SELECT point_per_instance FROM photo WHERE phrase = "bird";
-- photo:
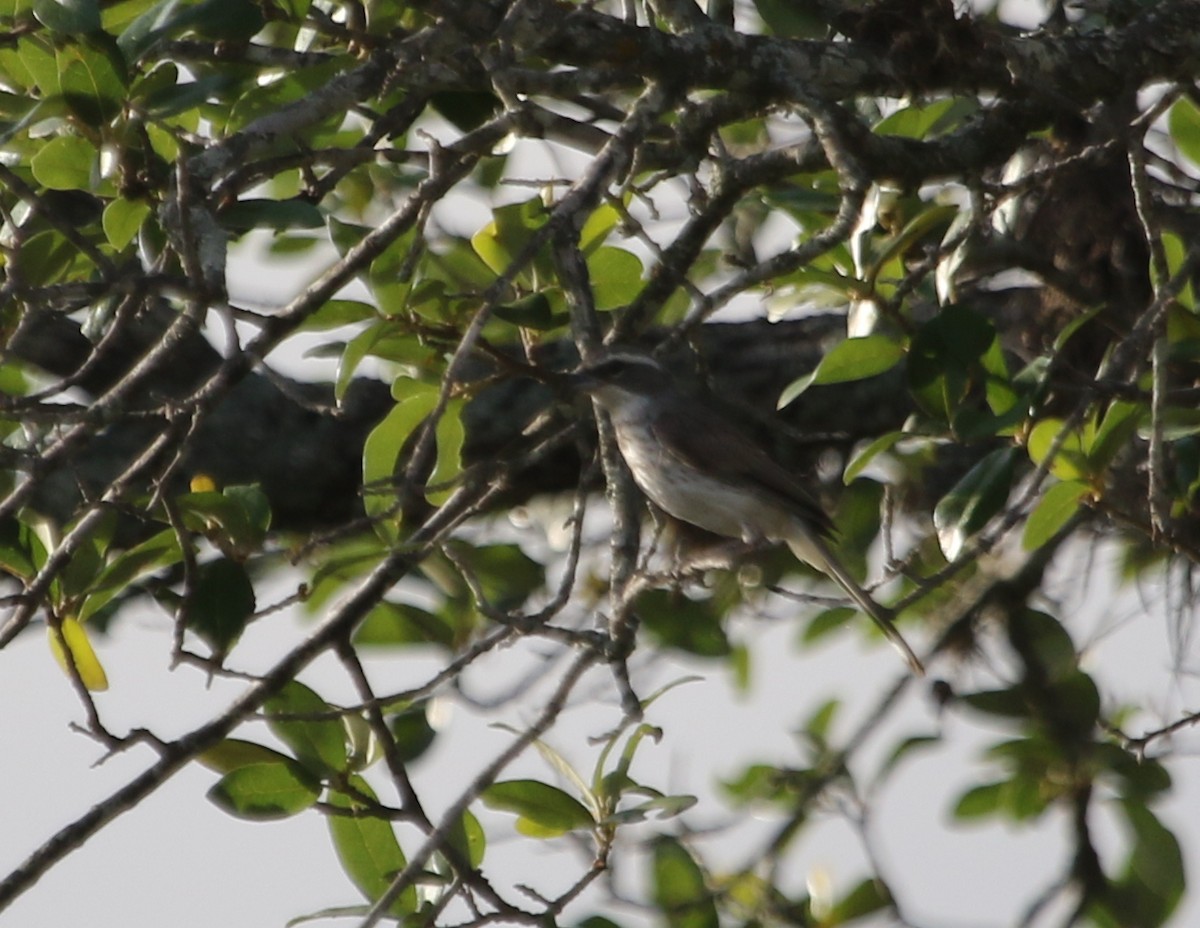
(696, 465)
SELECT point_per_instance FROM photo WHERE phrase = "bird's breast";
(693, 495)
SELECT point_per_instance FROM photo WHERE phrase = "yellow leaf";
(71, 637)
(203, 483)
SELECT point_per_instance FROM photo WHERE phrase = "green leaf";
(1176, 250)
(532, 312)
(412, 732)
(233, 753)
(22, 553)
(863, 458)
(543, 811)
(465, 109)
(399, 624)
(679, 889)
(921, 121)
(979, 495)
(92, 79)
(66, 162)
(981, 801)
(255, 509)
(1011, 703)
(277, 215)
(869, 896)
(1183, 123)
(469, 839)
(1112, 436)
(598, 226)
(1071, 459)
(676, 620)
(500, 241)
(318, 743)
(1040, 637)
(827, 622)
(367, 847)
(155, 23)
(336, 313)
(387, 440)
(68, 17)
(229, 20)
(265, 792)
(1155, 876)
(788, 19)
(945, 360)
(616, 276)
(1054, 510)
(506, 575)
(852, 359)
(122, 220)
(153, 554)
(221, 604)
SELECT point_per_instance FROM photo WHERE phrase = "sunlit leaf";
(1054, 510)
(66, 162)
(122, 219)
(70, 646)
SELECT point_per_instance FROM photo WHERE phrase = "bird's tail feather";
(814, 551)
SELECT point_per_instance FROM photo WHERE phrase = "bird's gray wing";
(707, 441)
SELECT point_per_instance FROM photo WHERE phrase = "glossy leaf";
(971, 503)
(68, 16)
(863, 458)
(543, 811)
(265, 792)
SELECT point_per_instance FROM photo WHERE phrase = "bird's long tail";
(813, 550)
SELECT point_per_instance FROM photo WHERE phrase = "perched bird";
(698, 467)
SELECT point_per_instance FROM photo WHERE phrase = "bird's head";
(621, 377)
